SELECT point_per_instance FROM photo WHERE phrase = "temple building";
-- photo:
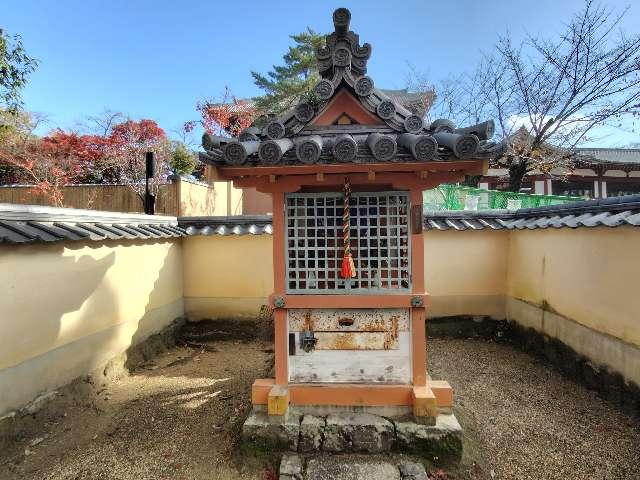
(596, 173)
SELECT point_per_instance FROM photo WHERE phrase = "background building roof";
(610, 155)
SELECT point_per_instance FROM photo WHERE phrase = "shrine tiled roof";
(417, 102)
(387, 132)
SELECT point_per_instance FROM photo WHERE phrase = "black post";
(149, 198)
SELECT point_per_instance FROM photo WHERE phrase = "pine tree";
(15, 67)
(286, 84)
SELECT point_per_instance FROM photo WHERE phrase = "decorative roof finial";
(342, 50)
(341, 19)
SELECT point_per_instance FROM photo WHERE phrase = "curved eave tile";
(19, 232)
(230, 229)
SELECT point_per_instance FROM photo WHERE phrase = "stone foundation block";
(312, 431)
(272, 432)
(357, 432)
(442, 440)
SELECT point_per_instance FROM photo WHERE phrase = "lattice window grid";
(379, 243)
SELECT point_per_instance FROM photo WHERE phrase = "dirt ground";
(178, 417)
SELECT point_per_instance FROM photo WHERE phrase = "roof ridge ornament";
(342, 49)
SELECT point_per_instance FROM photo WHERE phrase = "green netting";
(456, 197)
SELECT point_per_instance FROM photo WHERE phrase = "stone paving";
(349, 467)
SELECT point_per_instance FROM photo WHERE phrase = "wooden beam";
(347, 301)
(442, 391)
(281, 346)
(280, 317)
(399, 180)
(260, 390)
(352, 394)
(472, 166)
(418, 346)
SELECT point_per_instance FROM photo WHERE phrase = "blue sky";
(156, 59)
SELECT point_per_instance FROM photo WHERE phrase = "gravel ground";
(523, 420)
(178, 417)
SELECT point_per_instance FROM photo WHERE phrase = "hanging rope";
(348, 267)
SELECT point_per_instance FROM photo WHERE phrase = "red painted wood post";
(280, 314)
(418, 334)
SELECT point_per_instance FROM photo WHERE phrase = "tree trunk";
(517, 170)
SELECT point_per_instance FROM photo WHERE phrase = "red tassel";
(348, 267)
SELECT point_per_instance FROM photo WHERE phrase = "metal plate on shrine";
(351, 329)
(356, 341)
(348, 320)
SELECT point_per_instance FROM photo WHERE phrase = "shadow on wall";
(45, 288)
(42, 286)
(70, 310)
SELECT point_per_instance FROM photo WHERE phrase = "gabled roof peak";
(380, 128)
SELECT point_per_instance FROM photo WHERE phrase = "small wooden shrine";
(346, 174)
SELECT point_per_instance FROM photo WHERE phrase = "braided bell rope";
(348, 267)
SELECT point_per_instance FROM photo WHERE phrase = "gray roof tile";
(610, 212)
(233, 225)
(28, 224)
(31, 223)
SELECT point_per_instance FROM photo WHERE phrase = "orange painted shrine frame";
(412, 177)
(418, 336)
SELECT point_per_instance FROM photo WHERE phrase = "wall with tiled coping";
(576, 285)
(69, 307)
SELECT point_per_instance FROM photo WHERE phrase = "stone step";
(350, 467)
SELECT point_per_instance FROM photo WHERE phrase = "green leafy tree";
(183, 161)
(286, 84)
(15, 68)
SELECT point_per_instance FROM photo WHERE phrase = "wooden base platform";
(425, 400)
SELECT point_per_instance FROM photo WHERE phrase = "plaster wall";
(227, 276)
(587, 275)
(255, 202)
(67, 309)
(580, 287)
(219, 198)
(198, 199)
(466, 272)
(233, 276)
(574, 285)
